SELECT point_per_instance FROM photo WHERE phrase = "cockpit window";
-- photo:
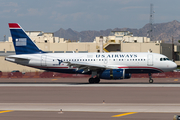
(164, 59)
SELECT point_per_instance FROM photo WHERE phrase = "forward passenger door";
(149, 60)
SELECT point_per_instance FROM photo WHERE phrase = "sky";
(79, 15)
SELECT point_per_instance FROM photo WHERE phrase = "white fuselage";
(117, 65)
(131, 62)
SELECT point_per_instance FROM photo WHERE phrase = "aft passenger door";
(150, 60)
(43, 60)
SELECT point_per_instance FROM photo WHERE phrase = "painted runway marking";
(124, 114)
(53, 79)
(6, 111)
(175, 79)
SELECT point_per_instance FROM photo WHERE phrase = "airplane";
(110, 66)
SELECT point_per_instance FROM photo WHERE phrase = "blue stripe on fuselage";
(72, 71)
(136, 70)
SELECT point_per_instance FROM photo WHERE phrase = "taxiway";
(134, 99)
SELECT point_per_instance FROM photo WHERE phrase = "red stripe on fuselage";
(14, 25)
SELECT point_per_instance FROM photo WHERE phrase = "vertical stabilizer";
(22, 43)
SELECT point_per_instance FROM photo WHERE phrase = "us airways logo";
(116, 56)
(59, 62)
(21, 41)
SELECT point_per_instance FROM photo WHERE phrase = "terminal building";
(117, 41)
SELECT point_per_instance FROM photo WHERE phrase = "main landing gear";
(94, 80)
(150, 78)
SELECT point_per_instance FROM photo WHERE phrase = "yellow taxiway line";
(6, 111)
(124, 114)
(53, 79)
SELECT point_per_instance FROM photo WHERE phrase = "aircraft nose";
(174, 65)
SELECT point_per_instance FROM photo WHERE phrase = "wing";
(89, 67)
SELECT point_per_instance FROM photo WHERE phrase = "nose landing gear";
(150, 78)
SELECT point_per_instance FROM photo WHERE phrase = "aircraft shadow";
(85, 83)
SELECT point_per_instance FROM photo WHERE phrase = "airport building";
(117, 41)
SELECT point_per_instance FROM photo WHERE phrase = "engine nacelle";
(114, 74)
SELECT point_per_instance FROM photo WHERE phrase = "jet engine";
(114, 74)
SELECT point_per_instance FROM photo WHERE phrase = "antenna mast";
(151, 21)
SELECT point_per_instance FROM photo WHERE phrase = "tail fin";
(22, 43)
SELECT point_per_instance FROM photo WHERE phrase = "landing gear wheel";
(150, 80)
(96, 80)
(91, 80)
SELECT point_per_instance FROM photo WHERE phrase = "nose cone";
(173, 65)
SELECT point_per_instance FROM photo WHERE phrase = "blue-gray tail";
(22, 43)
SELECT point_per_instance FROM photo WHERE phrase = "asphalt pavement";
(68, 98)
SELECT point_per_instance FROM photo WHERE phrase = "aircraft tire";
(150, 80)
(91, 80)
(97, 80)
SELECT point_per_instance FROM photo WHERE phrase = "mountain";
(161, 31)
(85, 36)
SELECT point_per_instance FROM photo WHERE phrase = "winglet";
(14, 25)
